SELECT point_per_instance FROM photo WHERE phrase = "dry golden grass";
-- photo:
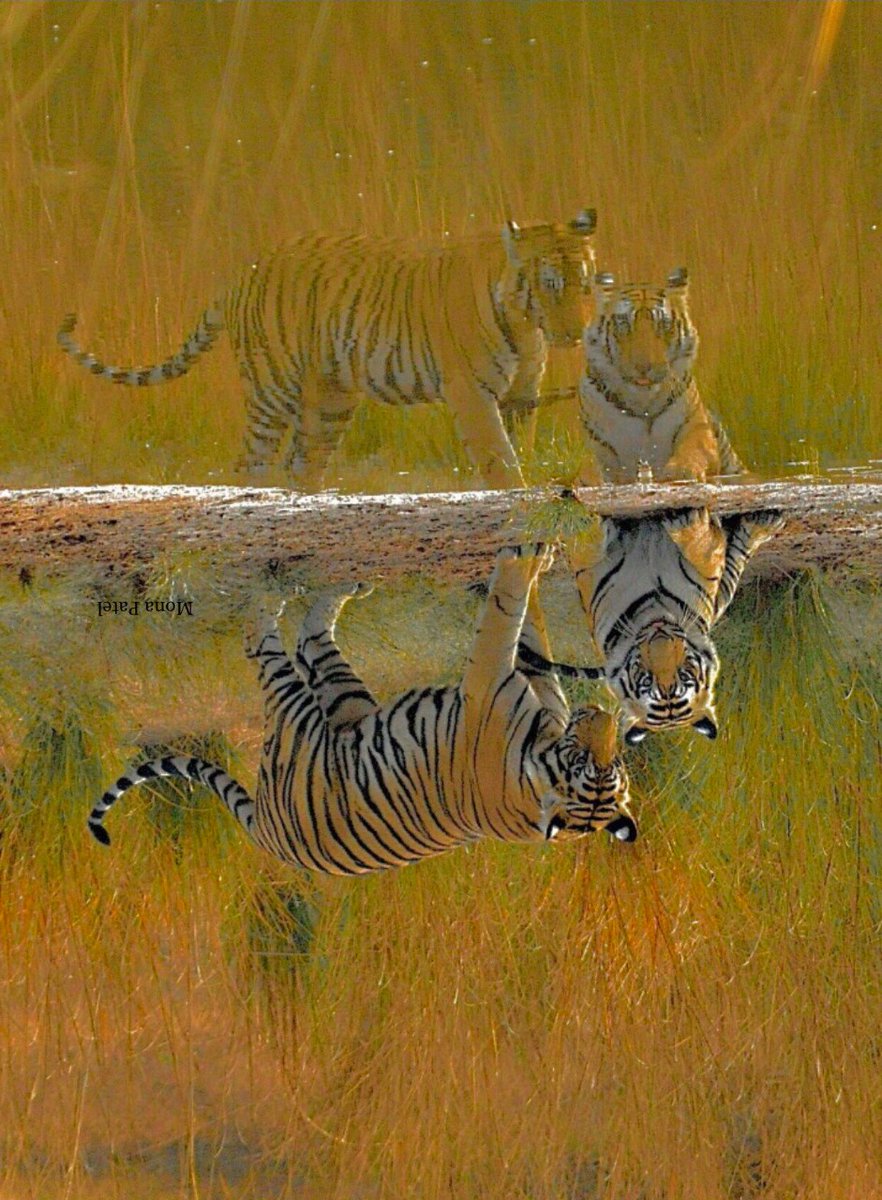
(691, 1019)
(150, 152)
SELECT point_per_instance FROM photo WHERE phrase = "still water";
(616, 244)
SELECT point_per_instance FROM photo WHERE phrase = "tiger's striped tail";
(201, 339)
(212, 776)
(538, 662)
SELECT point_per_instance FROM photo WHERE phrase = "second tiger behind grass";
(347, 786)
(641, 414)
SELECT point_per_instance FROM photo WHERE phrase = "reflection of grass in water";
(58, 757)
(270, 932)
(701, 1008)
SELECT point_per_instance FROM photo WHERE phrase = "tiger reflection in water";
(651, 596)
(348, 786)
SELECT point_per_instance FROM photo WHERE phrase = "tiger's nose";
(647, 372)
(643, 372)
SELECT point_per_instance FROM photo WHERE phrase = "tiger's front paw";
(541, 551)
(763, 523)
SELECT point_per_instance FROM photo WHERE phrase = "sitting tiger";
(651, 598)
(327, 318)
(347, 786)
(640, 410)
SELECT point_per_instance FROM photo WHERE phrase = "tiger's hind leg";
(341, 694)
(268, 418)
(280, 679)
(261, 632)
(318, 423)
(269, 372)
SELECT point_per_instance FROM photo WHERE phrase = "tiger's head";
(589, 782)
(666, 681)
(641, 338)
(548, 275)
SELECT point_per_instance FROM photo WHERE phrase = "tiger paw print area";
(440, 603)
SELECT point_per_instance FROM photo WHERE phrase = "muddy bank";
(453, 536)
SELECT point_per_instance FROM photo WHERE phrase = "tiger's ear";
(679, 279)
(623, 828)
(511, 235)
(604, 289)
(635, 735)
(555, 825)
(704, 719)
(585, 221)
(706, 726)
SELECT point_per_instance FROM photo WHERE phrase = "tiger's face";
(667, 681)
(589, 782)
(549, 269)
(641, 337)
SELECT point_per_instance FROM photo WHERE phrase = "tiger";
(651, 598)
(347, 786)
(640, 411)
(327, 318)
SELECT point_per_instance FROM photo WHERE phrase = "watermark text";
(132, 608)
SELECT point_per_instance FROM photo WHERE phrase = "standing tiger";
(347, 786)
(327, 318)
(640, 410)
(651, 597)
